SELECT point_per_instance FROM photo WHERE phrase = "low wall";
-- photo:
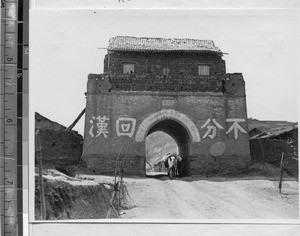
(272, 150)
(61, 147)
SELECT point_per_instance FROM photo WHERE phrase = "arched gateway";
(181, 135)
(181, 128)
(167, 115)
(177, 86)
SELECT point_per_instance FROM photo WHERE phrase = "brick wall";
(99, 152)
(212, 107)
(228, 83)
(61, 147)
(179, 64)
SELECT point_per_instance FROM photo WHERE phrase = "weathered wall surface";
(220, 121)
(231, 84)
(270, 151)
(60, 147)
(179, 64)
(206, 114)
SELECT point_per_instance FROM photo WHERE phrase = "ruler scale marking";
(14, 63)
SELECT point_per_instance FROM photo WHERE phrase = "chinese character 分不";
(211, 129)
(235, 127)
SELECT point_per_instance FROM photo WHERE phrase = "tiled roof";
(276, 133)
(127, 43)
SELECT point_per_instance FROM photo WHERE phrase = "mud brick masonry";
(58, 146)
(178, 86)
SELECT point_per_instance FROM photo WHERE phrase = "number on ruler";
(26, 51)
(9, 121)
(2, 3)
(10, 59)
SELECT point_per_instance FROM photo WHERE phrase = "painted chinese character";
(236, 127)
(92, 127)
(101, 126)
(125, 126)
(211, 129)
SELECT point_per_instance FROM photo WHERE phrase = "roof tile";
(128, 43)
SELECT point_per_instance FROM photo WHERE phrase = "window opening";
(128, 68)
(203, 70)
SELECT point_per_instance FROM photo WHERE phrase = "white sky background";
(129, 4)
(263, 45)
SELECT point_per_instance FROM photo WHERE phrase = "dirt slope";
(70, 198)
(211, 198)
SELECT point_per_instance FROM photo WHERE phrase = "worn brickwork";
(149, 71)
(179, 64)
(58, 146)
(99, 152)
(205, 114)
(228, 83)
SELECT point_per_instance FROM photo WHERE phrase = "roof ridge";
(144, 37)
(132, 43)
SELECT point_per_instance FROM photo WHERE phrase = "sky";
(261, 44)
(166, 4)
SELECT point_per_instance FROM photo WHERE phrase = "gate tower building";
(178, 86)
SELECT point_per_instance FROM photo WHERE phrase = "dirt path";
(211, 198)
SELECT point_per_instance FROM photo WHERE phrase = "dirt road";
(211, 198)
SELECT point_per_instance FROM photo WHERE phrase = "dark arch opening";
(180, 136)
(157, 144)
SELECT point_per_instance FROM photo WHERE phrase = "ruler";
(14, 76)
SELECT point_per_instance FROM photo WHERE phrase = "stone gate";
(178, 86)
